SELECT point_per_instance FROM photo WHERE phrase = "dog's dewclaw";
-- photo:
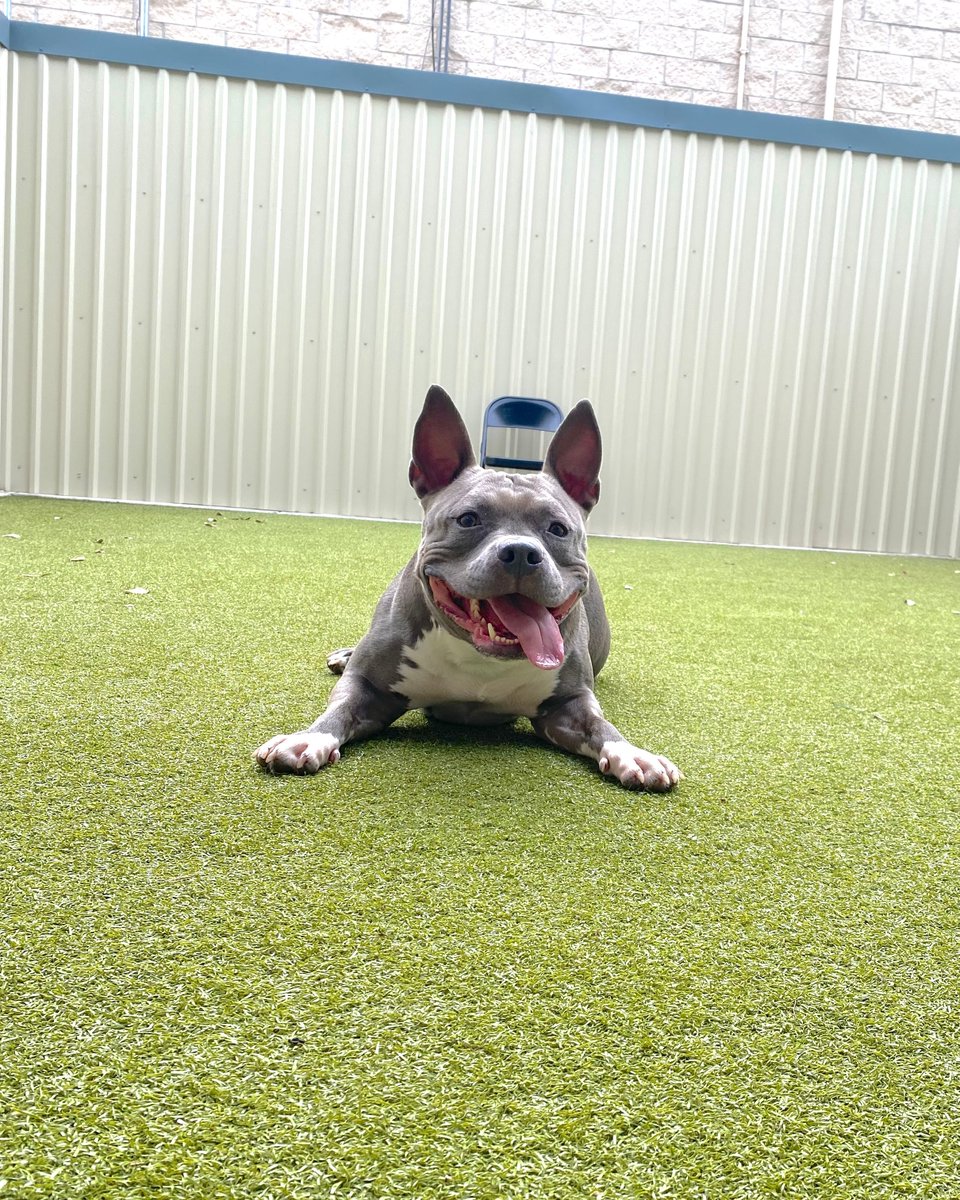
(337, 660)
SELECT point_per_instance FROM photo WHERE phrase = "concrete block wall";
(899, 62)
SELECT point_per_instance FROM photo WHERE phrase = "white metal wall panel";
(236, 293)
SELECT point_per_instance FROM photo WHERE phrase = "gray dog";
(496, 616)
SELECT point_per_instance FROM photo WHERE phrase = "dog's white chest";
(445, 669)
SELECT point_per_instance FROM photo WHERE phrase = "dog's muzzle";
(511, 625)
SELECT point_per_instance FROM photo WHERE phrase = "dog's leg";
(357, 710)
(576, 723)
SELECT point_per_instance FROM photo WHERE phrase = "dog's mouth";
(511, 626)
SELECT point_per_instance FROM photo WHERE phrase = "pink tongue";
(535, 628)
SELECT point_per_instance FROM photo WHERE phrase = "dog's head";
(503, 559)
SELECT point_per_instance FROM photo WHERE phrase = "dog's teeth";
(475, 609)
(491, 631)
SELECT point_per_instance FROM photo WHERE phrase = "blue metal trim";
(4, 30)
(331, 74)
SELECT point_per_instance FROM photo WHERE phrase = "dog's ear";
(573, 458)
(441, 445)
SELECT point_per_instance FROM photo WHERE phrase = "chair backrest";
(517, 412)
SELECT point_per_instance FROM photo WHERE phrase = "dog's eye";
(558, 529)
(467, 520)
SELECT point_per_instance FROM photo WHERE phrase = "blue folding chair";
(517, 412)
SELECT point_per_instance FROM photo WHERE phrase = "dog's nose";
(520, 557)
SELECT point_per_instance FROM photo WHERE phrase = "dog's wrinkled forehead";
(522, 497)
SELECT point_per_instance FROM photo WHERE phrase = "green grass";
(460, 964)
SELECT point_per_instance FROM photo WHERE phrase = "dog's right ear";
(441, 445)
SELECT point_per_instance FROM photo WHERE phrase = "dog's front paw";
(301, 753)
(638, 768)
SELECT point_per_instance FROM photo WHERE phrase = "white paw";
(302, 753)
(638, 768)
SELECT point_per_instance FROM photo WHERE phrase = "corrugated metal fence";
(236, 293)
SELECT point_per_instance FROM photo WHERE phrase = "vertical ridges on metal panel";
(354, 403)
(69, 300)
(304, 220)
(770, 386)
(801, 378)
(691, 438)
(755, 343)
(464, 358)
(938, 492)
(215, 262)
(275, 323)
(244, 332)
(881, 301)
(237, 292)
(132, 142)
(101, 281)
(8, 227)
(907, 282)
(668, 502)
(161, 256)
(577, 249)
(383, 378)
(43, 168)
(855, 317)
(327, 490)
(615, 483)
(188, 257)
(497, 218)
(818, 402)
(716, 414)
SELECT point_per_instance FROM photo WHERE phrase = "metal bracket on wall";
(440, 34)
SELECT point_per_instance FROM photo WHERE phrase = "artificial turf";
(461, 964)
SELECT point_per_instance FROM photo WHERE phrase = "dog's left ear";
(573, 458)
(441, 445)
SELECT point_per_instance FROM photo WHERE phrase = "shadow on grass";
(415, 731)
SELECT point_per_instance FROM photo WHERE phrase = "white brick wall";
(899, 60)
